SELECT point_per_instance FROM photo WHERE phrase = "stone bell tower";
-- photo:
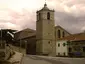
(45, 44)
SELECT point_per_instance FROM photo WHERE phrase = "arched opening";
(59, 34)
(63, 34)
(48, 16)
(39, 16)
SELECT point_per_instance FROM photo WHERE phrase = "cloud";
(9, 25)
(70, 22)
(20, 14)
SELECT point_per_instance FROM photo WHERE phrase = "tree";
(7, 35)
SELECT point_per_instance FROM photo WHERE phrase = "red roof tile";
(79, 36)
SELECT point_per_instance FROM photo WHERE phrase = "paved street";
(33, 59)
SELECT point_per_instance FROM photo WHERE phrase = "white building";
(61, 48)
(73, 45)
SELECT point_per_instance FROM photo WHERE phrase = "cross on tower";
(45, 1)
(45, 4)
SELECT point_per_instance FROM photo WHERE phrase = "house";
(26, 40)
(73, 45)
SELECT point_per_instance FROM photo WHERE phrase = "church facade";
(45, 36)
(46, 32)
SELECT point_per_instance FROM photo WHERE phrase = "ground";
(34, 59)
(20, 58)
(16, 58)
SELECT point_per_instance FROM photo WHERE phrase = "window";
(48, 16)
(68, 42)
(70, 50)
(63, 34)
(58, 53)
(49, 42)
(64, 54)
(59, 35)
(58, 44)
(83, 49)
(39, 16)
(64, 44)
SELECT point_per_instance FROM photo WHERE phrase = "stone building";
(43, 40)
(26, 40)
(45, 37)
(60, 32)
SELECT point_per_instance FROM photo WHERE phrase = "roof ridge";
(62, 28)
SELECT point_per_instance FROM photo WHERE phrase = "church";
(43, 40)
(47, 39)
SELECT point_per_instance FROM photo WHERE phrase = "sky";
(21, 14)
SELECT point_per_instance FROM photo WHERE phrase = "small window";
(70, 49)
(63, 34)
(64, 54)
(49, 42)
(83, 49)
(68, 42)
(64, 44)
(48, 16)
(39, 16)
(58, 44)
(59, 34)
(59, 54)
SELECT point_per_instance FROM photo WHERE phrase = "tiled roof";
(62, 28)
(25, 33)
(45, 8)
(79, 36)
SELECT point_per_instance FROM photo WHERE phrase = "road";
(34, 59)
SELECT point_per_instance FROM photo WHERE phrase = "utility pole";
(20, 45)
(26, 46)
